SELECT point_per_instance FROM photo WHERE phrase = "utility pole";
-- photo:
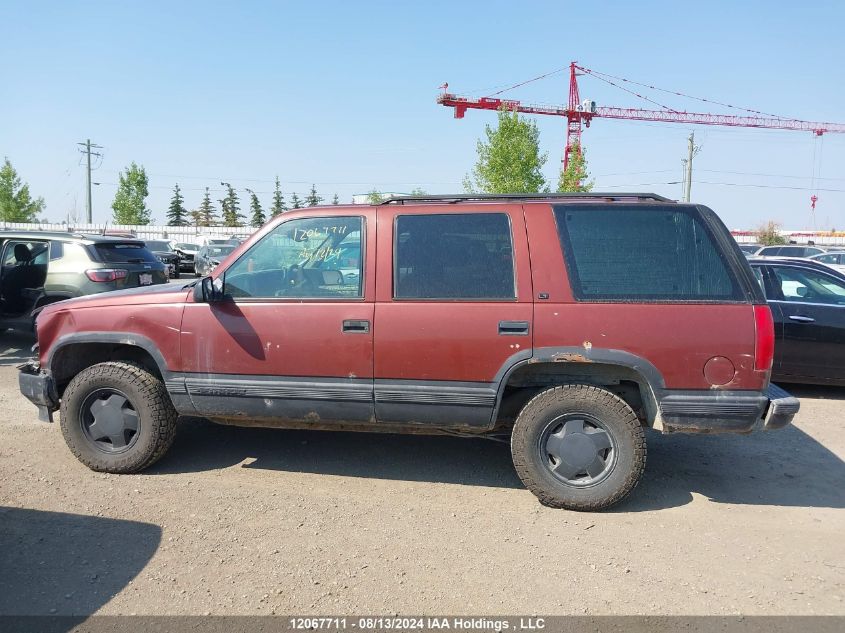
(693, 152)
(88, 145)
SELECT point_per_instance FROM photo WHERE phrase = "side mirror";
(208, 291)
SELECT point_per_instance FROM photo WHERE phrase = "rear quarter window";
(643, 253)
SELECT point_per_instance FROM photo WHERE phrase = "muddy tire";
(578, 447)
(117, 417)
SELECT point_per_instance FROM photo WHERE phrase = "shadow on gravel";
(201, 445)
(68, 564)
(814, 392)
(779, 468)
(15, 347)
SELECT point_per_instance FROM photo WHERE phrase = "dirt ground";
(252, 521)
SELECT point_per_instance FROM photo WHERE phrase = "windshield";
(219, 251)
(187, 247)
(124, 253)
(158, 245)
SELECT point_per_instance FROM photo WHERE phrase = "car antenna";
(105, 226)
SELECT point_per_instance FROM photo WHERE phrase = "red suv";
(569, 322)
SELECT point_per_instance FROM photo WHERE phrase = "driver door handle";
(353, 325)
(801, 319)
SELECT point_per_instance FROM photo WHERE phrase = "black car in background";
(808, 307)
(167, 255)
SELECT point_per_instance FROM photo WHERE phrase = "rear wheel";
(578, 447)
(117, 417)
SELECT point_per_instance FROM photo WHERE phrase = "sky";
(342, 95)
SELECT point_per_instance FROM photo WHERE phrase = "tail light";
(106, 274)
(764, 339)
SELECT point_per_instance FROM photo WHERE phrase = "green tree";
(509, 160)
(335, 200)
(295, 202)
(258, 217)
(176, 214)
(279, 205)
(768, 234)
(418, 191)
(574, 177)
(16, 203)
(231, 208)
(375, 197)
(312, 199)
(130, 206)
(205, 215)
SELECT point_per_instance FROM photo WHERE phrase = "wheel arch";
(631, 377)
(75, 352)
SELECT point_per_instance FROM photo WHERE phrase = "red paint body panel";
(447, 340)
(157, 317)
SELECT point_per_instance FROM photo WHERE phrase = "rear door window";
(129, 253)
(454, 256)
(642, 253)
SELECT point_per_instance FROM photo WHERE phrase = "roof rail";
(453, 198)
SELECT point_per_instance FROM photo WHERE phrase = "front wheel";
(578, 447)
(117, 417)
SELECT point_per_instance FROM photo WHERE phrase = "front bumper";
(38, 387)
(727, 411)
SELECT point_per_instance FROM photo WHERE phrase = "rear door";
(453, 310)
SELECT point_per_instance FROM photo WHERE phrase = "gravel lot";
(253, 521)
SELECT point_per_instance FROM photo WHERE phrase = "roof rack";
(453, 198)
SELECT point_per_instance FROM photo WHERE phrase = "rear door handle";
(801, 319)
(513, 328)
(351, 325)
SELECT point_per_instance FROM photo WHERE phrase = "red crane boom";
(580, 113)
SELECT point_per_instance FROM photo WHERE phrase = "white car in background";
(789, 251)
(834, 259)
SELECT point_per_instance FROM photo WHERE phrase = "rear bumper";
(38, 387)
(727, 411)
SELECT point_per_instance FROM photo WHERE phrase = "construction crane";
(580, 113)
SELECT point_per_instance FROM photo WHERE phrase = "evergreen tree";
(16, 204)
(574, 177)
(335, 200)
(130, 201)
(205, 215)
(231, 208)
(312, 199)
(295, 202)
(509, 160)
(177, 212)
(258, 217)
(279, 205)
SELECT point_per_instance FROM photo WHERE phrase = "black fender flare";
(652, 377)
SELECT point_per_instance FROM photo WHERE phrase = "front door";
(292, 340)
(809, 313)
(453, 309)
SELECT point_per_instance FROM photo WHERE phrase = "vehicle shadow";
(16, 347)
(781, 468)
(786, 467)
(814, 392)
(202, 445)
(52, 563)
